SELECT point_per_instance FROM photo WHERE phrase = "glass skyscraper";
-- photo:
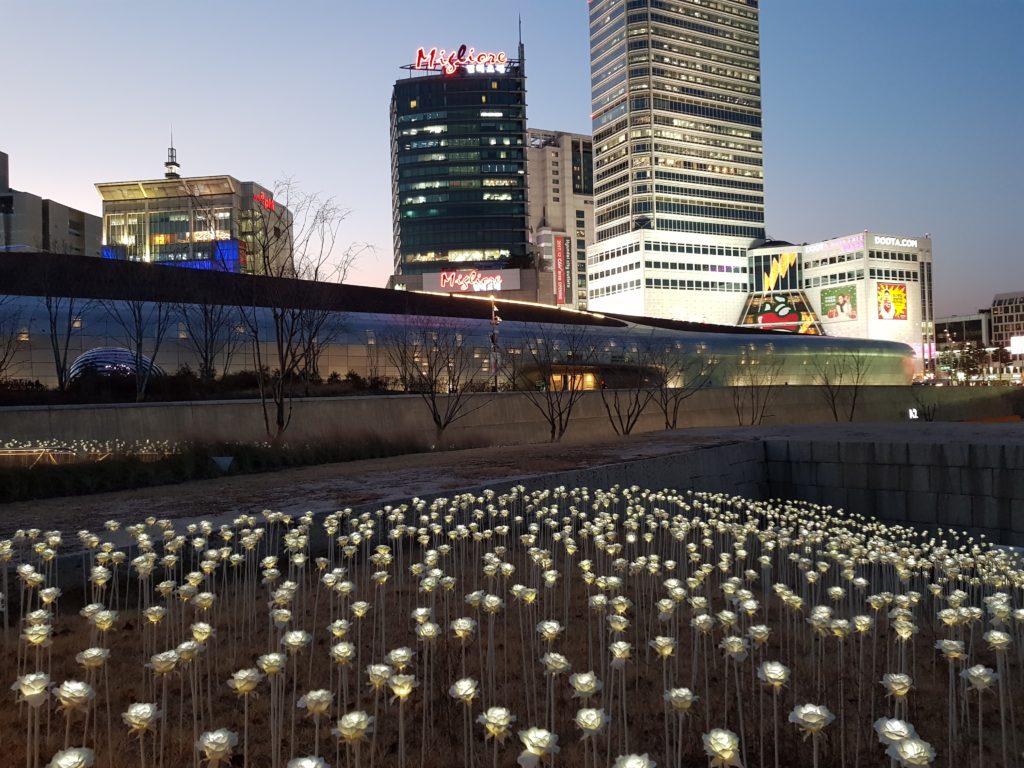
(458, 154)
(678, 161)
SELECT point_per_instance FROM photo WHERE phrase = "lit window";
(412, 104)
(23, 335)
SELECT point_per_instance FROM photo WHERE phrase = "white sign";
(903, 242)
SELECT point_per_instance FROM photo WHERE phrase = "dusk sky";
(899, 116)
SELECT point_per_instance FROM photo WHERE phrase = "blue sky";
(899, 116)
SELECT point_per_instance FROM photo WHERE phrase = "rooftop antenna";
(522, 51)
(171, 167)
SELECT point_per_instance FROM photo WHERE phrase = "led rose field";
(576, 627)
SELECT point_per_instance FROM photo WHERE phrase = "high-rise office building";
(678, 164)
(458, 171)
(32, 223)
(560, 180)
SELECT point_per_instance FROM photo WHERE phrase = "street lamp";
(495, 322)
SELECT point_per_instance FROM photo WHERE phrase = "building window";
(23, 335)
(412, 104)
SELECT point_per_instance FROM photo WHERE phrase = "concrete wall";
(501, 418)
(977, 486)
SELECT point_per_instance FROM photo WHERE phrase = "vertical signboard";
(559, 270)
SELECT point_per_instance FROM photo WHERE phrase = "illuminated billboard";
(559, 269)
(471, 281)
(776, 271)
(464, 57)
(781, 312)
(839, 303)
(892, 301)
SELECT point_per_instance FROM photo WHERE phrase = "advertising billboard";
(776, 272)
(559, 270)
(892, 301)
(781, 312)
(839, 303)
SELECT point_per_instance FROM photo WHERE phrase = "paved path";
(339, 485)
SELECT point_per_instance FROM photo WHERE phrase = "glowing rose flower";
(891, 730)
(339, 628)
(723, 747)
(997, 641)
(863, 624)
(585, 685)
(621, 652)
(93, 658)
(840, 628)
(912, 751)
(464, 690)
(309, 761)
(204, 600)
(496, 722)
(359, 608)
(163, 663)
(617, 623)
(555, 664)
(295, 640)
(951, 649)
(217, 745)
(280, 617)
(680, 699)
(38, 635)
(342, 653)
(427, 631)
(141, 717)
(591, 721)
(244, 681)
(735, 647)
(201, 631)
(400, 658)
(104, 620)
(316, 703)
(76, 757)
(464, 628)
(353, 726)
(74, 695)
(549, 631)
(272, 663)
(773, 673)
(49, 595)
(979, 676)
(703, 623)
(663, 646)
(491, 604)
(402, 686)
(759, 633)
(904, 629)
(634, 761)
(897, 684)
(33, 688)
(155, 614)
(811, 718)
(537, 743)
(378, 675)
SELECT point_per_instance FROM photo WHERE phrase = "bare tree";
(550, 370)
(753, 383)
(211, 333)
(840, 376)
(141, 326)
(629, 385)
(10, 330)
(294, 238)
(435, 361)
(63, 314)
(683, 372)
